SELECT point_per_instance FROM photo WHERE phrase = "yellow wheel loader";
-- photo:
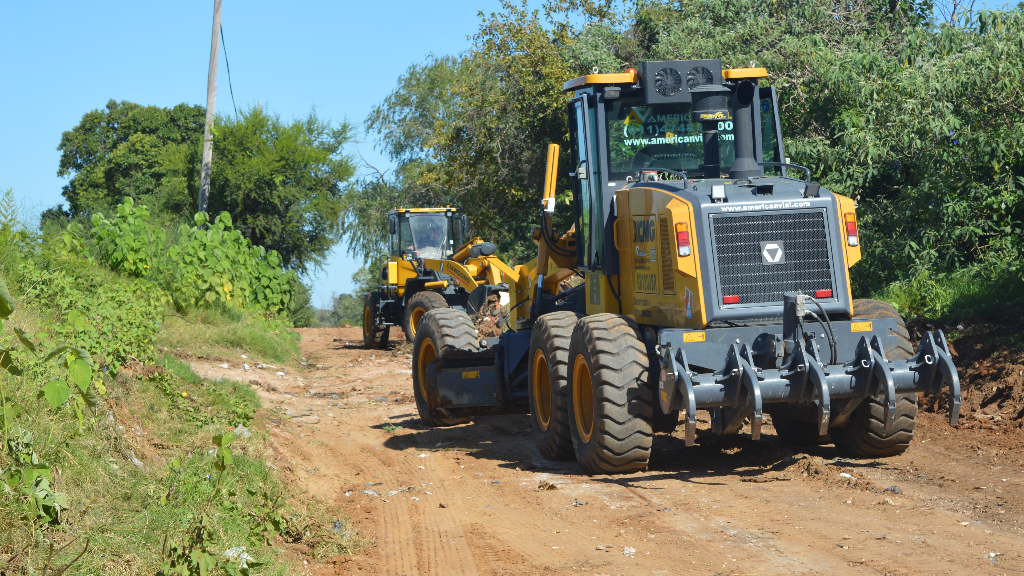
(716, 277)
(430, 267)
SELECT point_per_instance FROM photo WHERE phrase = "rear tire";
(548, 378)
(374, 336)
(418, 305)
(611, 405)
(864, 436)
(440, 332)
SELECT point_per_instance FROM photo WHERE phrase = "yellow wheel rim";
(367, 319)
(583, 399)
(414, 320)
(427, 355)
(541, 390)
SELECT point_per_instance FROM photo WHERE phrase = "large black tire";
(416, 307)
(548, 378)
(439, 333)
(864, 436)
(374, 336)
(611, 403)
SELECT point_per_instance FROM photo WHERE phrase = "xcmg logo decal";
(772, 253)
(643, 230)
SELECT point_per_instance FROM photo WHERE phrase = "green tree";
(148, 153)
(282, 182)
(920, 120)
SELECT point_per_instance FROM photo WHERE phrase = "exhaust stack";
(710, 106)
(745, 165)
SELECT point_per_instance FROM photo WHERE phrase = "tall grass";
(223, 332)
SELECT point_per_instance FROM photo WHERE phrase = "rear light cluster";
(851, 229)
(683, 238)
(734, 299)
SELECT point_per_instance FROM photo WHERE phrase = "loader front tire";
(865, 436)
(374, 337)
(611, 405)
(548, 378)
(440, 332)
(418, 305)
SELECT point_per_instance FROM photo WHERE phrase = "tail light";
(851, 229)
(730, 299)
(823, 294)
(683, 238)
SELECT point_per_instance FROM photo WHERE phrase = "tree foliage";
(921, 120)
(280, 181)
(147, 153)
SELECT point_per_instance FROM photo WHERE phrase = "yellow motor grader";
(429, 267)
(716, 277)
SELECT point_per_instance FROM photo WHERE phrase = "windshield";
(659, 136)
(429, 235)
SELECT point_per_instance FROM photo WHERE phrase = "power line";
(224, 44)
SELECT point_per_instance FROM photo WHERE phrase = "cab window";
(659, 136)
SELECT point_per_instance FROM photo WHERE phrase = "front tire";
(374, 337)
(549, 400)
(864, 436)
(611, 405)
(418, 305)
(440, 332)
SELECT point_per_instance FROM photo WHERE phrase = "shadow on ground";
(507, 440)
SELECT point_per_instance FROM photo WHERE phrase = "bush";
(207, 262)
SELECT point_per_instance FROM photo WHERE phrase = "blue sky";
(62, 59)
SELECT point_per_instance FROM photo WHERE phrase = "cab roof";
(404, 210)
(631, 76)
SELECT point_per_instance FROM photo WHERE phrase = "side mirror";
(391, 225)
(465, 225)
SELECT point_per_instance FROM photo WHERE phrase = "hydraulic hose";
(827, 326)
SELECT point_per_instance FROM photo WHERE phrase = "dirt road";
(478, 499)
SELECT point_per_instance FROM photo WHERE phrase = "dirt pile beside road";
(989, 354)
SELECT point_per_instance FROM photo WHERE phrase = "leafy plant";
(194, 557)
(127, 243)
(218, 264)
(117, 321)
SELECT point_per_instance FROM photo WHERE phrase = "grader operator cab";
(430, 266)
(713, 280)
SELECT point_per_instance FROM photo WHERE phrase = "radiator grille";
(668, 278)
(741, 271)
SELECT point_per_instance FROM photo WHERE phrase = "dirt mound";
(830, 472)
(487, 320)
(990, 360)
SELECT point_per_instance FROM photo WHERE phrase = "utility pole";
(211, 98)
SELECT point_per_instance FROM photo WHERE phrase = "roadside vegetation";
(117, 458)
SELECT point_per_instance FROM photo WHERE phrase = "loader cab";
(640, 125)
(425, 232)
(416, 234)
